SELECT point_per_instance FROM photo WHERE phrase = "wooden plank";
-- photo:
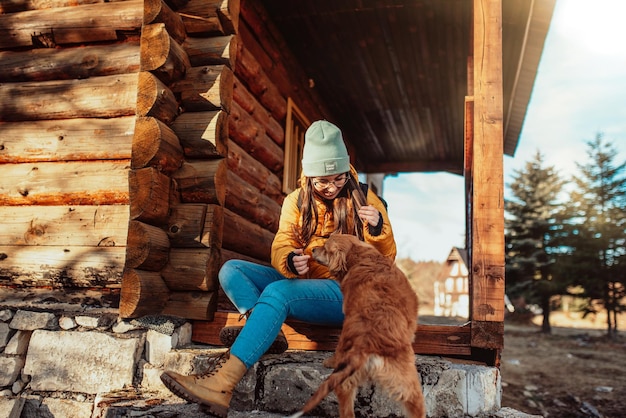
(97, 97)
(429, 339)
(79, 226)
(69, 63)
(64, 183)
(61, 266)
(66, 140)
(487, 245)
(76, 24)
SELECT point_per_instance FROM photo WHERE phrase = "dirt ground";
(574, 372)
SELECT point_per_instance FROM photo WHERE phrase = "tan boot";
(213, 390)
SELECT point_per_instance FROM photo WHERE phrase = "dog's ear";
(338, 250)
(338, 263)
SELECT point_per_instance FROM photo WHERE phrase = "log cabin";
(145, 142)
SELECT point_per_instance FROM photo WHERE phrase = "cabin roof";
(393, 73)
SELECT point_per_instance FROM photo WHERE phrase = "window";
(297, 124)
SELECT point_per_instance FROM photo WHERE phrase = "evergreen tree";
(596, 231)
(530, 228)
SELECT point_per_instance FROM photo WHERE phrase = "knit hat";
(324, 151)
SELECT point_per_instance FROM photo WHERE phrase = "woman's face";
(329, 186)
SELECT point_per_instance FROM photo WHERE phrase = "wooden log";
(191, 305)
(12, 6)
(98, 97)
(429, 339)
(253, 172)
(247, 201)
(263, 88)
(162, 55)
(232, 255)
(156, 145)
(148, 247)
(200, 17)
(60, 266)
(69, 63)
(228, 13)
(250, 136)
(201, 134)
(64, 183)
(64, 25)
(206, 88)
(143, 293)
(213, 228)
(192, 269)
(176, 4)
(80, 226)
(212, 51)
(250, 104)
(66, 140)
(245, 237)
(185, 225)
(155, 99)
(157, 11)
(150, 195)
(202, 181)
(267, 45)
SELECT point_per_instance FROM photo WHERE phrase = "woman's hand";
(301, 261)
(369, 214)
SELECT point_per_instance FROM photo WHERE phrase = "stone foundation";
(93, 365)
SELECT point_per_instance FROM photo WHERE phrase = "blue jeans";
(274, 299)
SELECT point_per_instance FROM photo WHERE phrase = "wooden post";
(487, 201)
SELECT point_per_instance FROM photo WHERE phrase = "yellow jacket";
(284, 242)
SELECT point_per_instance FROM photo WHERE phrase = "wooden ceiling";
(393, 73)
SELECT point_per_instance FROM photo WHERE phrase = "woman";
(329, 200)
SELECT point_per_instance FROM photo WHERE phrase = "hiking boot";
(212, 390)
(228, 335)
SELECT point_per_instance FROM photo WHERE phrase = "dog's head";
(337, 253)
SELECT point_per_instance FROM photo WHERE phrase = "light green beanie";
(324, 151)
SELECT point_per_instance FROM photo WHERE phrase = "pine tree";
(530, 228)
(596, 232)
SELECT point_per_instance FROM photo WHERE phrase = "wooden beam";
(429, 339)
(487, 240)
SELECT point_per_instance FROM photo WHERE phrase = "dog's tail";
(342, 372)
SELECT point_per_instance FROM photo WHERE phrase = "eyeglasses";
(325, 184)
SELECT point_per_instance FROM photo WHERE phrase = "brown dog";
(380, 310)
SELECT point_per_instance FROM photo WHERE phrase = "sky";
(579, 92)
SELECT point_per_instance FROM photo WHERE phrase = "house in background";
(452, 286)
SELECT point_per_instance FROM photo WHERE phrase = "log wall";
(143, 149)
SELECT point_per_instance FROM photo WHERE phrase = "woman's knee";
(229, 270)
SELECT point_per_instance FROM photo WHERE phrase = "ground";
(573, 372)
